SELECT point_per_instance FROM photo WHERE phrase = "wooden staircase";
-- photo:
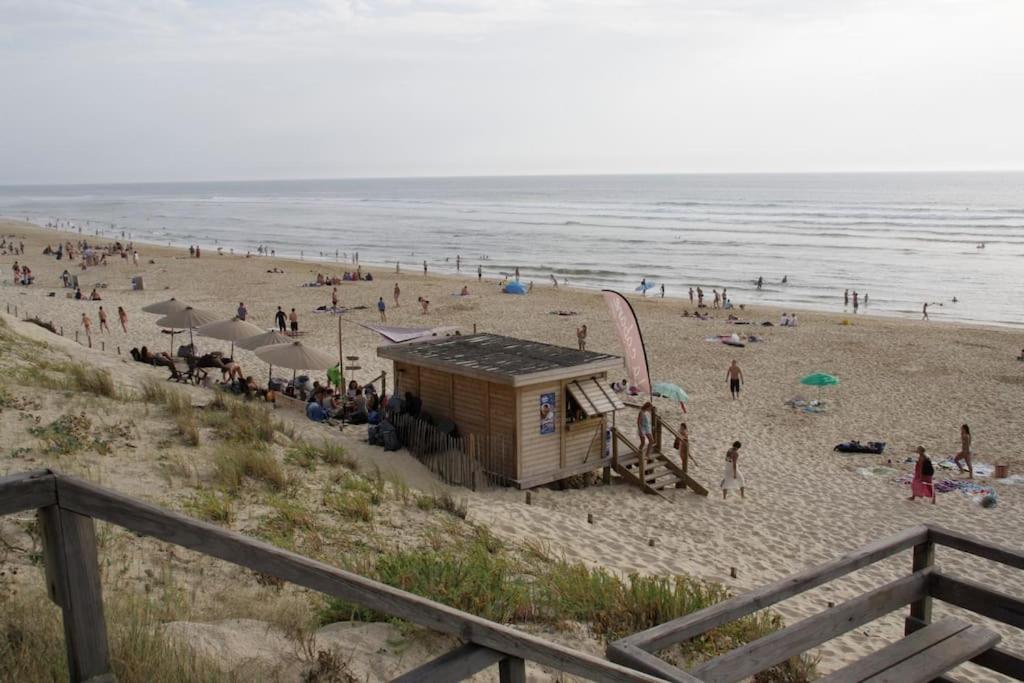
(652, 473)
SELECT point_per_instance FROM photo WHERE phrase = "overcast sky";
(138, 90)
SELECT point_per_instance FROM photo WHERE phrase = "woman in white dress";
(733, 478)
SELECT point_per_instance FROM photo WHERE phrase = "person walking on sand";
(855, 301)
(924, 311)
(691, 296)
(293, 317)
(662, 290)
(397, 293)
(921, 485)
(280, 319)
(424, 268)
(965, 452)
(735, 377)
(103, 321)
(87, 324)
(334, 297)
(479, 273)
(242, 311)
(645, 428)
(381, 308)
(846, 298)
(581, 337)
(123, 318)
(733, 478)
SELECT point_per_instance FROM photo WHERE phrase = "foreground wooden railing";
(918, 589)
(67, 507)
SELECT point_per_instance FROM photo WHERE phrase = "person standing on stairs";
(645, 428)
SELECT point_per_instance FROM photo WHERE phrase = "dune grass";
(234, 463)
(32, 642)
(481, 577)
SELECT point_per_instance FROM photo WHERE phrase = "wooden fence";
(472, 461)
(67, 508)
(918, 589)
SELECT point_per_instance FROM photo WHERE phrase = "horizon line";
(512, 175)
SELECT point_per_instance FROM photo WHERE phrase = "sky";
(164, 90)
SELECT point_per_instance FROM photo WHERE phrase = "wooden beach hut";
(535, 412)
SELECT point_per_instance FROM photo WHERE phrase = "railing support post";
(512, 670)
(921, 610)
(73, 583)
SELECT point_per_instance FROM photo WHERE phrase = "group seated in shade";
(357, 405)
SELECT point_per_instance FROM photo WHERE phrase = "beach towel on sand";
(876, 447)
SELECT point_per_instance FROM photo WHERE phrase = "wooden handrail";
(685, 628)
(990, 551)
(82, 499)
(27, 491)
(918, 589)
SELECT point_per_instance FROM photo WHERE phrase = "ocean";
(902, 238)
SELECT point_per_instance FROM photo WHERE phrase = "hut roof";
(499, 359)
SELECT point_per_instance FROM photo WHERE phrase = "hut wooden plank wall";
(495, 387)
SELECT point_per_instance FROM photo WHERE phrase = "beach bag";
(927, 469)
(373, 435)
(390, 436)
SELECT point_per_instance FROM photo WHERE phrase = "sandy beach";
(904, 382)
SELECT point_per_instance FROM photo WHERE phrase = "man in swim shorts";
(735, 376)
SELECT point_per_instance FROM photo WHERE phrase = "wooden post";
(512, 670)
(657, 429)
(474, 328)
(73, 582)
(921, 610)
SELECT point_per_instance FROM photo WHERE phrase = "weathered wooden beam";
(73, 582)
(512, 670)
(967, 544)
(929, 664)
(685, 628)
(921, 610)
(149, 520)
(641, 660)
(894, 653)
(27, 491)
(457, 665)
(777, 647)
(978, 599)
(1001, 661)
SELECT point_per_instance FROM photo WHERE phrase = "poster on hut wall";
(547, 413)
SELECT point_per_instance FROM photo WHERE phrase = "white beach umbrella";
(269, 338)
(172, 305)
(229, 330)
(296, 356)
(188, 317)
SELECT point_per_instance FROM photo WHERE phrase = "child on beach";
(581, 337)
(965, 452)
(381, 308)
(294, 318)
(733, 478)
(644, 427)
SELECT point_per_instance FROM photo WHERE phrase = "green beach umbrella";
(669, 390)
(820, 379)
